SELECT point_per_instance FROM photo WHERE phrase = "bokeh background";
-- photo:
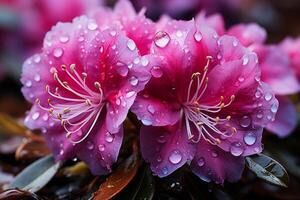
(24, 23)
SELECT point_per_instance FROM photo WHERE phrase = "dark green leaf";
(36, 175)
(268, 169)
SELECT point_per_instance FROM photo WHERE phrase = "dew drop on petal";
(92, 26)
(61, 152)
(109, 137)
(175, 157)
(35, 116)
(249, 138)
(64, 38)
(151, 109)
(235, 43)
(161, 39)
(257, 94)
(245, 60)
(162, 139)
(144, 61)
(37, 59)
(113, 33)
(122, 70)
(131, 45)
(245, 121)
(198, 36)
(37, 77)
(133, 81)
(179, 33)
(156, 72)
(147, 122)
(58, 52)
(130, 94)
(241, 79)
(268, 96)
(236, 149)
(165, 170)
(201, 162)
(28, 83)
(90, 145)
(214, 154)
(274, 108)
(101, 147)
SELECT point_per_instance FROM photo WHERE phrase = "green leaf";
(268, 169)
(145, 186)
(36, 175)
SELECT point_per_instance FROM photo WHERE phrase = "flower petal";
(166, 148)
(286, 118)
(212, 163)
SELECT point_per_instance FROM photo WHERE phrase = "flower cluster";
(203, 94)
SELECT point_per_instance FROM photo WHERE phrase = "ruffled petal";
(165, 148)
(285, 120)
(212, 163)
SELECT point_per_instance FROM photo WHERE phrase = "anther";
(97, 85)
(195, 75)
(72, 67)
(66, 110)
(63, 67)
(88, 102)
(51, 110)
(37, 101)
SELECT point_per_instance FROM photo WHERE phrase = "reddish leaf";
(119, 179)
(31, 150)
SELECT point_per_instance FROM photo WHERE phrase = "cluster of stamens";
(79, 111)
(200, 117)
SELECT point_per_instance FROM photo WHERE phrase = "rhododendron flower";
(205, 104)
(136, 26)
(276, 71)
(83, 84)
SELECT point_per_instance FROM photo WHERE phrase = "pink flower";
(205, 104)
(277, 71)
(83, 84)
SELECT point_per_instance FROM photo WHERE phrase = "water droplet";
(113, 47)
(58, 52)
(45, 117)
(61, 152)
(241, 79)
(92, 26)
(64, 38)
(136, 60)
(37, 59)
(257, 94)
(44, 130)
(201, 161)
(122, 70)
(161, 39)
(144, 61)
(235, 43)
(175, 157)
(133, 81)
(101, 147)
(151, 109)
(37, 77)
(161, 139)
(249, 138)
(131, 45)
(81, 39)
(268, 96)
(156, 72)
(198, 36)
(260, 114)
(179, 34)
(90, 145)
(109, 137)
(28, 83)
(245, 121)
(101, 49)
(35, 116)
(236, 149)
(274, 108)
(159, 159)
(130, 94)
(165, 170)
(245, 60)
(214, 154)
(147, 122)
(219, 56)
(113, 33)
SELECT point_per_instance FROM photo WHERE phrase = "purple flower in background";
(205, 104)
(277, 71)
(83, 84)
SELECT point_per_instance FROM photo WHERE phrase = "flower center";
(79, 112)
(204, 118)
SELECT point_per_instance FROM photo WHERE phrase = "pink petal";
(215, 21)
(286, 118)
(212, 163)
(166, 148)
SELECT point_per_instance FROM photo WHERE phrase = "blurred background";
(24, 23)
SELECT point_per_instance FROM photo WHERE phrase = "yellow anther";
(222, 98)
(232, 97)
(72, 67)
(63, 67)
(47, 88)
(217, 119)
(66, 110)
(68, 134)
(37, 101)
(222, 105)
(97, 85)
(59, 116)
(195, 75)
(51, 110)
(228, 117)
(218, 141)
(62, 122)
(233, 130)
